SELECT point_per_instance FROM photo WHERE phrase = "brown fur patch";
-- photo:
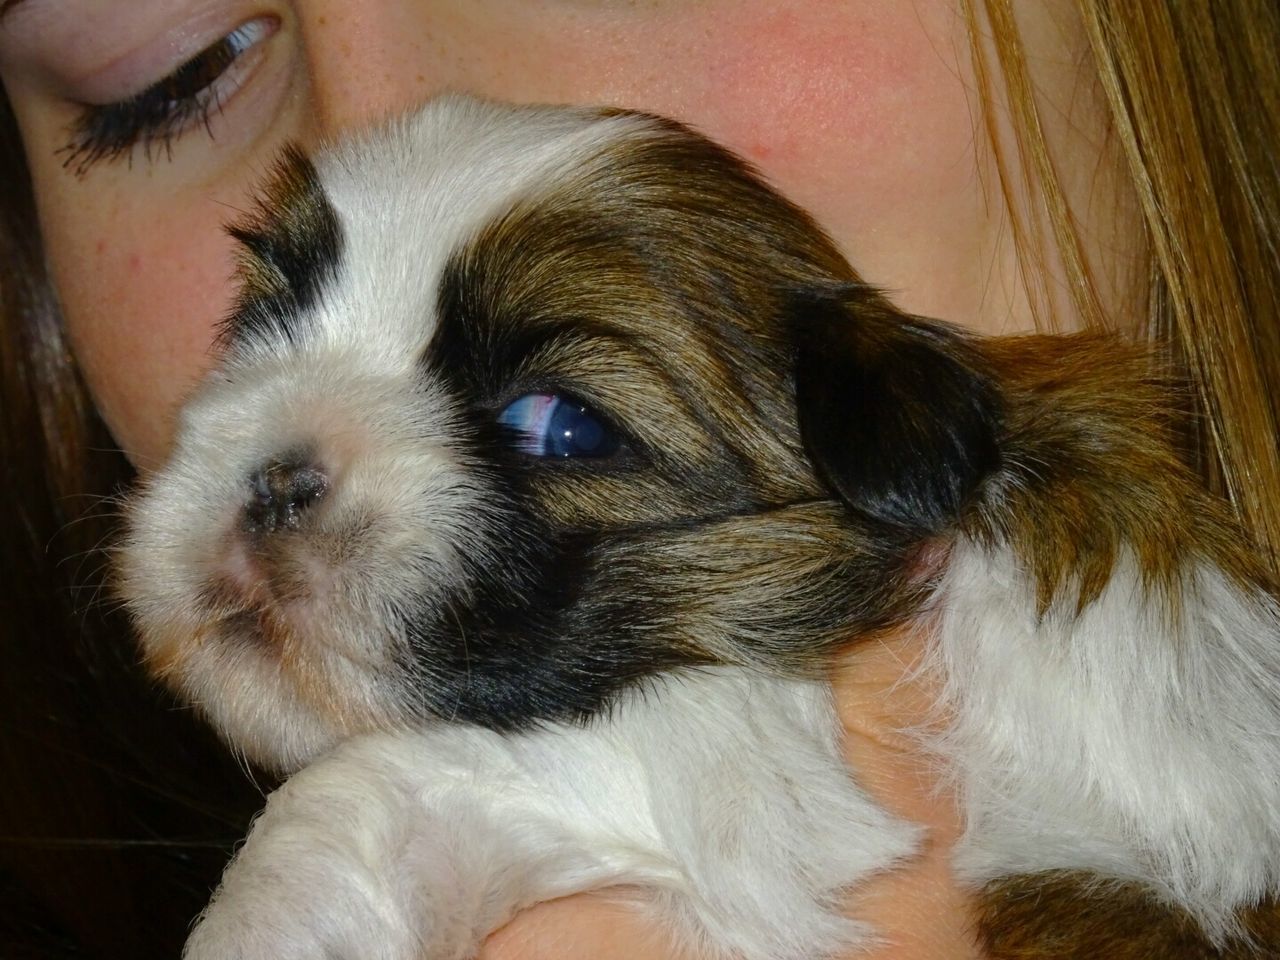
(778, 590)
(1075, 916)
(1091, 468)
(168, 651)
(654, 280)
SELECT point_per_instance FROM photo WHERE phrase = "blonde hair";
(1192, 92)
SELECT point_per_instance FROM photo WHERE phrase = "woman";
(1015, 165)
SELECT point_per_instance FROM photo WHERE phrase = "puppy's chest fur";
(550, 459)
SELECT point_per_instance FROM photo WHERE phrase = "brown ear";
(897, 414)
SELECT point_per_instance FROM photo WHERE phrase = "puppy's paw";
(260, 915)
(319, 876)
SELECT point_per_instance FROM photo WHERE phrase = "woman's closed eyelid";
(97, 51)
(99, 77)
(163, 110)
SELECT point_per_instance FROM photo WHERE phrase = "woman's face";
(148, 123)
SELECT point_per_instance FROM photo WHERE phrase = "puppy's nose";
(281, 491)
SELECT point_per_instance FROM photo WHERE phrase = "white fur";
(1139, 740)
(416, 846)
(468, 161)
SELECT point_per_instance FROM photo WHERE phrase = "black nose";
(280, 491)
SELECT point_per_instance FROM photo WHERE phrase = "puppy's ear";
(898, 415)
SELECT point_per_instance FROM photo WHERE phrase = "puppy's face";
(520, 406)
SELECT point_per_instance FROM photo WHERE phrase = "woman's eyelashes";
(186, 99)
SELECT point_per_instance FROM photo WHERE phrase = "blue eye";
(551, 425)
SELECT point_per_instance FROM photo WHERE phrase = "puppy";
(550, 459)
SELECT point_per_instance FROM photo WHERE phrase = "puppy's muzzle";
(282, 491)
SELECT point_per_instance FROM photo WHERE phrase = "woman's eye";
(552, 425)
(186, 98)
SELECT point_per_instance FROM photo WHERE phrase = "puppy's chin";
(265, 642)
(279, 706)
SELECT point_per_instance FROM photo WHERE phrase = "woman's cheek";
(142, 289)
(138, 249)
(861, 112)
(859, 115)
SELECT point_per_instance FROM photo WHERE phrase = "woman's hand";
(918, 909)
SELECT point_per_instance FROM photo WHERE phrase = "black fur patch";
(290, 248)
(527, 653)
(898, 414)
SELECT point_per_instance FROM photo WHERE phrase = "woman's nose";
(374, 58)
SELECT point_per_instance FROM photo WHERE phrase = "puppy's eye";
(553, 425)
